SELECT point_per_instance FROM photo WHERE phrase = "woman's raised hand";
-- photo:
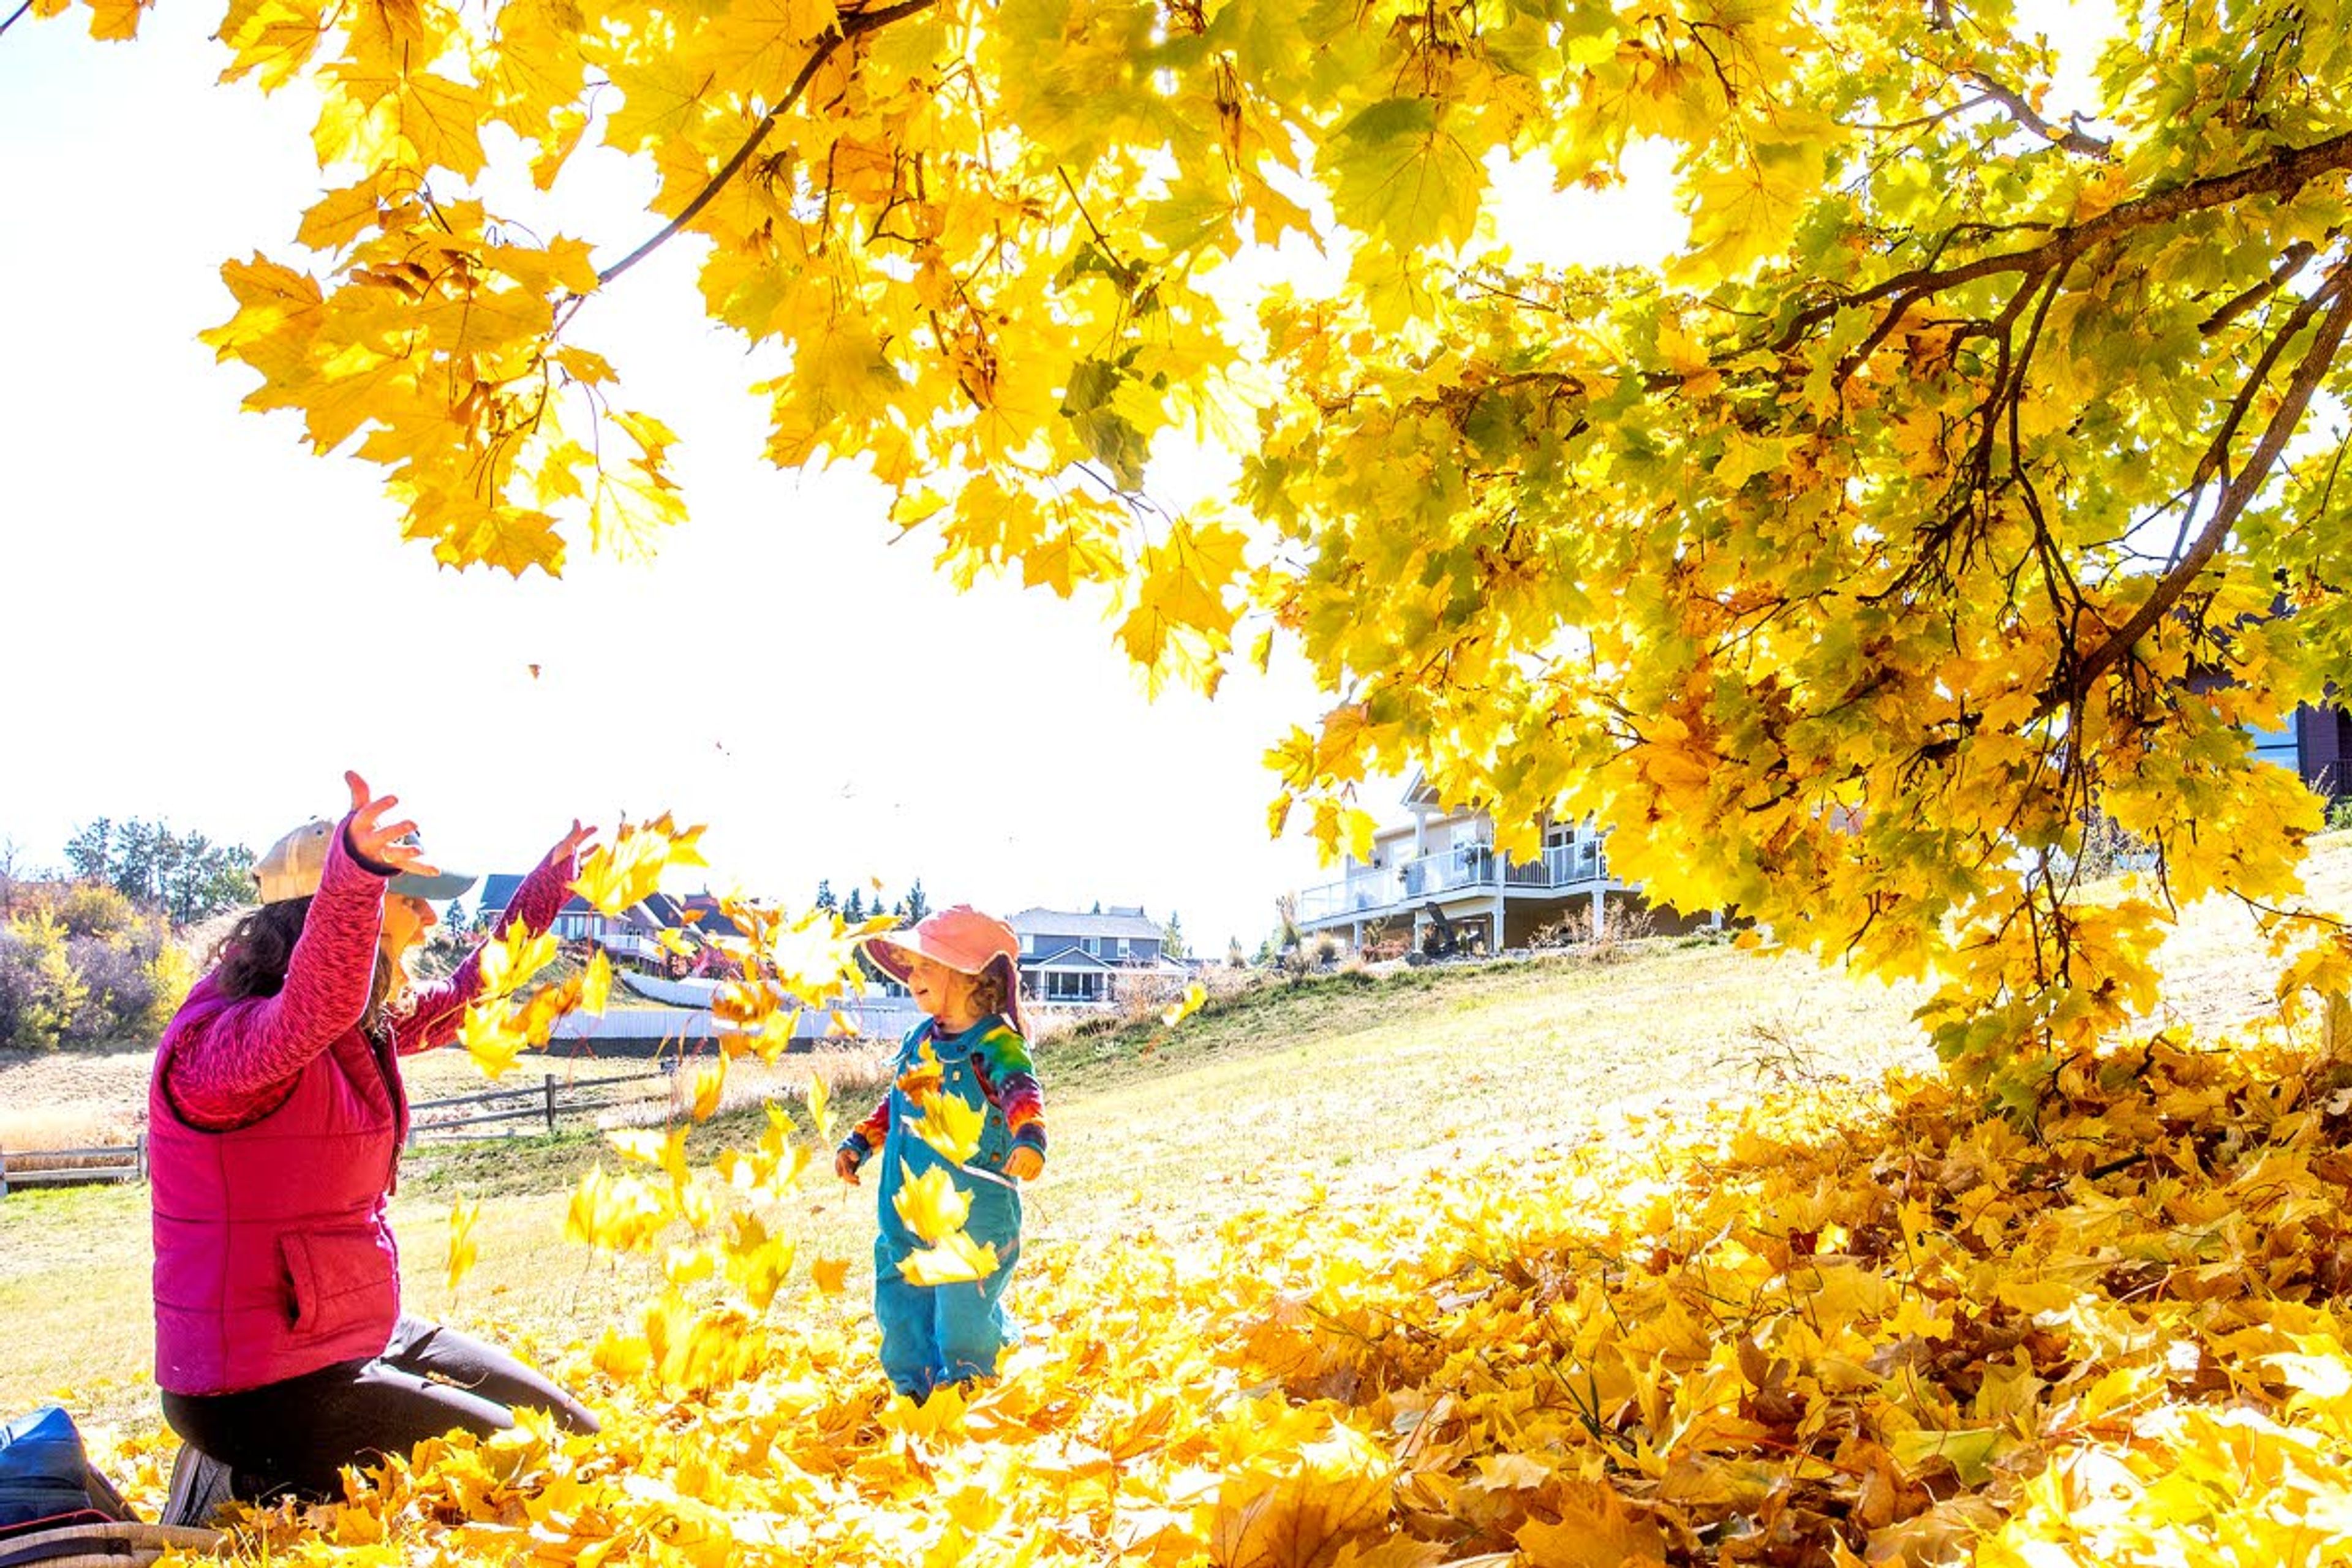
(373, 838)
(569, 847)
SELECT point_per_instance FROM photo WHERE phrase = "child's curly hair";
(997, 989)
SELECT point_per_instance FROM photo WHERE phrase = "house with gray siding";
(1069, 958)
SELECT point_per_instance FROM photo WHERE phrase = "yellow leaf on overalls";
(956, 1260)
(950, 1125)
(932, 1204)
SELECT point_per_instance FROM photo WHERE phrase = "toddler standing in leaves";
(940, 1324)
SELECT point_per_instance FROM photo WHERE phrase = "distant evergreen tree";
(1171, 936)
(855, 909)
(457, 920)
(1098, 909)
(1234, 957)
(187, 875)
(824, 899)
(918, 906)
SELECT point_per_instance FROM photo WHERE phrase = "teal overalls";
(935, 1334)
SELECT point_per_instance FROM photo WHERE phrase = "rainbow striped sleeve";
(1003, 1060)
(865, 1139)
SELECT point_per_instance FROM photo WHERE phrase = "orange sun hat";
(959, 936)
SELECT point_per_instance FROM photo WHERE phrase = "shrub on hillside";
(40, 994)
(83, 966)
(94, 909)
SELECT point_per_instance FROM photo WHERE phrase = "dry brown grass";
(77, 1124)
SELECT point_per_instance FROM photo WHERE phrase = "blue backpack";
(46, 1480)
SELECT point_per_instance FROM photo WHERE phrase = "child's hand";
(1024, 1163)
(845, 1165)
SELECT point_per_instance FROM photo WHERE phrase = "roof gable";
(1066, 958)
(1070, 923)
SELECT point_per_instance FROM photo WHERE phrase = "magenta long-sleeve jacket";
(275, 1126)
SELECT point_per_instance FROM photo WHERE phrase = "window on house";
(2281, 746)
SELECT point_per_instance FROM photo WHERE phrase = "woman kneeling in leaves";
(276, 1120)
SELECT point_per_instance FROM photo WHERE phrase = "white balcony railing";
(1471, 866)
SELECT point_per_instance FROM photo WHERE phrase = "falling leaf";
(820, 1106)
(707, 1089)
(1185, 1006)
(463, 1251)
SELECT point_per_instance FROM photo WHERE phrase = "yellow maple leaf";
(957, 1259)
(463, 1252)
(1333, 1487)
(1186, 1006)
(931, 1204)
(820, 1106)
(490, 1037)
(952, 1125)
(1595, 1530)
(597, 984)
(629, 869)
(707, 1089)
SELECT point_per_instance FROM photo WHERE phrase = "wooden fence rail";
(553, 1099)
(550, 1099)
(66, 1167)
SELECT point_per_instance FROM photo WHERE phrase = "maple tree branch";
(2073, 139)
(2317, 360)
(2283, 173)
(2290, 262)
(848, 27)
(2215, 463)
(16, 16)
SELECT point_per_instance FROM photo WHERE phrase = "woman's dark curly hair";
(252, 957)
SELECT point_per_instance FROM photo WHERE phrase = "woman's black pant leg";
(429, 1349)
(297, 1433)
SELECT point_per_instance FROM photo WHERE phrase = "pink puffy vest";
(274, 1254)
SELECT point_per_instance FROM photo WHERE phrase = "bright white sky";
(206, 624)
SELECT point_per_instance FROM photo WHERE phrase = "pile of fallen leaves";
(1835, 1327)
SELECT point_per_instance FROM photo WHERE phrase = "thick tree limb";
(850, 26)
(2283, 173)
(2242, 490)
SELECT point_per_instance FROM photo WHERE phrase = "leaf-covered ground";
(1343, 1077)
(1525, 1272)
(1827, 1328)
